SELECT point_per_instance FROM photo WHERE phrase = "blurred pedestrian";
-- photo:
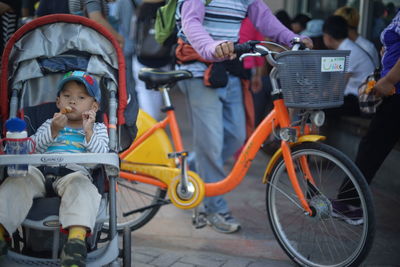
(299, 23)
(378, 22)
(48, 7)
(255, 67)
(149, 54)
(124, 12)
(96, 10)
(360, 65)
(384, 130)
(284, 18)
(10, 11)
(314, 31)
(352, 17)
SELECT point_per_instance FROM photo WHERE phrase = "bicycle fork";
(286, 152)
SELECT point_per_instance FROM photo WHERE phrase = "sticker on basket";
(332, 64)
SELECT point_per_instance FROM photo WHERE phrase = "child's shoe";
(74, 253)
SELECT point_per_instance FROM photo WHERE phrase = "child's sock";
(77, 232)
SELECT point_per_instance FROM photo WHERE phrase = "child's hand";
(88, 118)
(59, 122)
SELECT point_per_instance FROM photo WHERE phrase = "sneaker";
(223, 222)
(350, 214)
(74, 253)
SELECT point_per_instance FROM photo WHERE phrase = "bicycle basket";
(313, 79)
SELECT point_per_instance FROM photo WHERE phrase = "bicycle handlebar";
(256, 49)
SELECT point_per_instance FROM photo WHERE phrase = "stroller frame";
(109, 253)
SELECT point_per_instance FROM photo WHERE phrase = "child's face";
(75, 96)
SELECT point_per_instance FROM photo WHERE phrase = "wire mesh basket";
(313, 79)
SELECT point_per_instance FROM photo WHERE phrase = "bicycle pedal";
(199, 221)
(178, 154)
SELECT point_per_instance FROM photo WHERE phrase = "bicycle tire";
(133, 195)
(321, 239)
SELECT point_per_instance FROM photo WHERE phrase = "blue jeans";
(218, 128)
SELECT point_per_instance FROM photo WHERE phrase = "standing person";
(352, 17)
(384, 129)
(207, 34)
(299, 23)
(360, 63)
(9, 15)
(125, 11)
(257, 70)
(96, 10)
(48, 7)
(160, 57)
(284, 18)
(72, 130)
(314, 31)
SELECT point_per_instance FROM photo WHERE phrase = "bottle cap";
(15, 125)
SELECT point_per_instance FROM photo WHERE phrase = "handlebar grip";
(244, 47)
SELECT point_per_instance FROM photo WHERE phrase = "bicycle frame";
(278, 117)
(302, 178)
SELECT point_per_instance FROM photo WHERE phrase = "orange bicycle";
(303, 177)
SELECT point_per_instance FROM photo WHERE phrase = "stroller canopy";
(40, 52)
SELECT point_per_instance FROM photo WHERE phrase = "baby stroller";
(34, 60)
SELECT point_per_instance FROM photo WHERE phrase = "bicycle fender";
(278, 153)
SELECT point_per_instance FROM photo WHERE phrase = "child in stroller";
(73, 129)
(35, 59)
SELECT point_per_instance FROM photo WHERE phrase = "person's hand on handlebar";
(307, 42)
(225, 50)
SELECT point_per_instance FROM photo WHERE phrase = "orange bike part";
(279, 116)
(244, 161)
(292, 176)
(142, 178)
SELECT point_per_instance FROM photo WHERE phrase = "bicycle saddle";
(155, 78)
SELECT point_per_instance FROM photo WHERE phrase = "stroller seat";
(42, 227)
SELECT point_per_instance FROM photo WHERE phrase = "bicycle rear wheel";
(322, 239)
(143, 198)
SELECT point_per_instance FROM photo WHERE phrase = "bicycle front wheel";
(144, 199)
(330, 236)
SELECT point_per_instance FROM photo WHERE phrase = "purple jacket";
(258, 12)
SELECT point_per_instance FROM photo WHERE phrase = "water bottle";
(17, 143)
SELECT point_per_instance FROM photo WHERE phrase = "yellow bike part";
(171, 177)
(278, 153)
(155, 149)
(195, 199)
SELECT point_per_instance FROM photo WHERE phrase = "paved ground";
(170, 239)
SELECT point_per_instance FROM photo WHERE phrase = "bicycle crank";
(189, 196)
